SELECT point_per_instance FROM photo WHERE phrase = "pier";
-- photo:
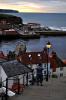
(52, 33)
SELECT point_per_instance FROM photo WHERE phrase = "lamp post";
(48, 46)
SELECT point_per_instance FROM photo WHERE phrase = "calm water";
(58, 44)
(54, 20)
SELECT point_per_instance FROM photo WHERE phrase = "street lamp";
(48, 46)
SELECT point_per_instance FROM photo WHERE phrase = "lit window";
(30, 56)
(39, 55)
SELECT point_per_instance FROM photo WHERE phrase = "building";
(32, 59)
(55, 64)
(14, 73)
(25, 28)
(4, 24)
(10, 32)
(59, 67)
(34, 25)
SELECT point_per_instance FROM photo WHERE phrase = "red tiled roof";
(33, 57)
(2, 56)
(41, 57)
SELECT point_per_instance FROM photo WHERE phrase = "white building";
(34, 25)
(57, 65)
(14, 71)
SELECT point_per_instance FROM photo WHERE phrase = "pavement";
(54, 89)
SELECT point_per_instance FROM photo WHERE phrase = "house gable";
(14, 68)
(3, 75)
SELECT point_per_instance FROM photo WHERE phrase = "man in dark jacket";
(39, 74)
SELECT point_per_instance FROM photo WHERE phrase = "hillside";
(8, 11)
(11, 19)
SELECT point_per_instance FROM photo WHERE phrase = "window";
(30, 57)
(29, 76)
(61, 68)
(61, 74)
(44, 72)
(15, 80)
(39, 55)
(45, 65)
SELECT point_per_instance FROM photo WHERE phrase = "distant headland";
(8, 11)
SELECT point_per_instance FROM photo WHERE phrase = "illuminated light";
(48, 45)
(39, 55)
(29, 55)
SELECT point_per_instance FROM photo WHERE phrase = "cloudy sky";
(47, 6)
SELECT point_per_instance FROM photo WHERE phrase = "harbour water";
(58, 45)
(50, 20)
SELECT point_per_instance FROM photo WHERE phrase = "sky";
(41, 6)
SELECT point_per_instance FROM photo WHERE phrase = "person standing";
(39, 74)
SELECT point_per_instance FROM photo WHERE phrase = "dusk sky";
(43, 6)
